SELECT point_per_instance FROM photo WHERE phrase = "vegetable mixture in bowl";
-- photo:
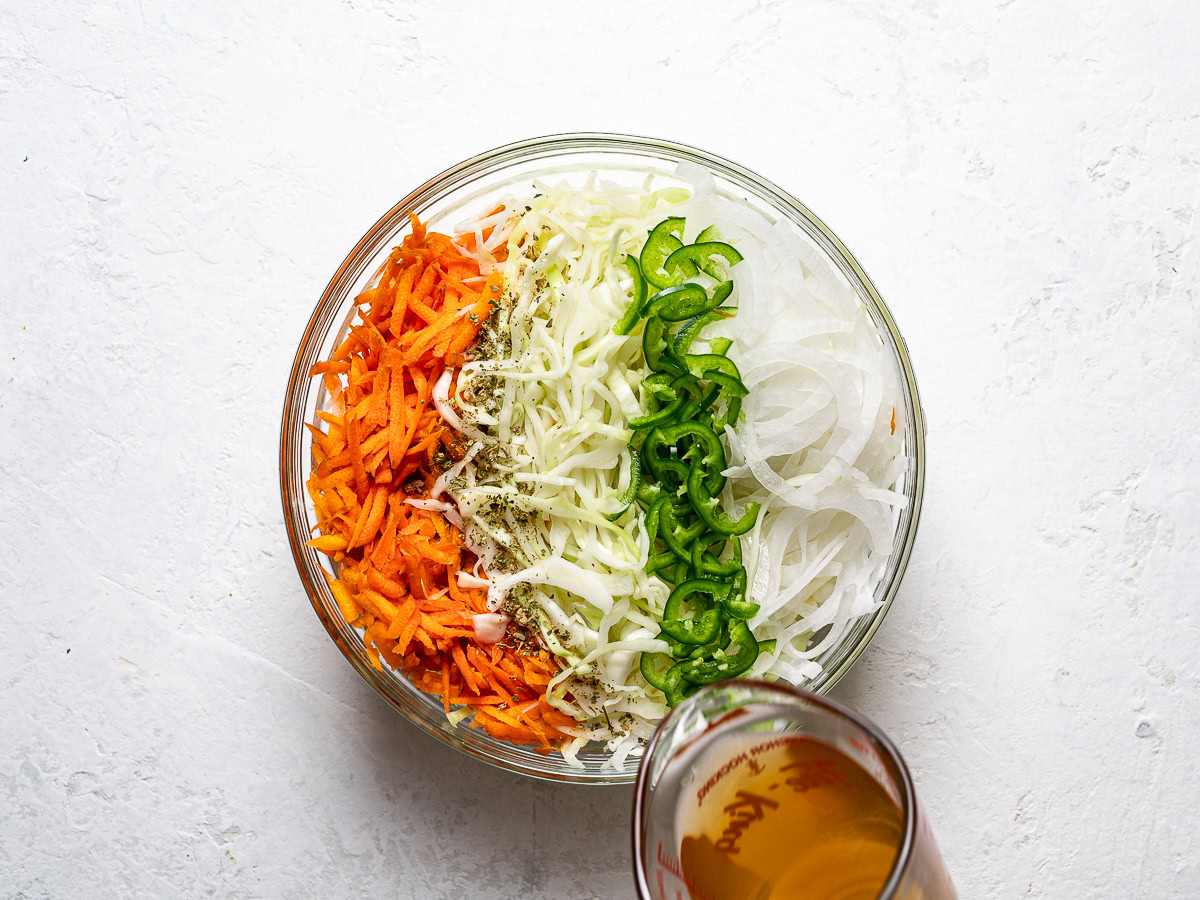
(585, 434)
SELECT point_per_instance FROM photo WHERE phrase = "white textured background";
(178, 181)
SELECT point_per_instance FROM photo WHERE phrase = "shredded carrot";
(398, 564)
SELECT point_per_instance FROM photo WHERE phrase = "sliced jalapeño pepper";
(674, 475)
(650, 493)
(679, 650)
(720, 346)
(704, 364)
(714, 257)
(678, 687)
(703, 626)
(678, 395)
(668, 472)
(704, 650)
(657, 452)
(635, 441)
(663, 240)
(709, 509)
(652, 518)
(659, 416)
(693, 408)
(679, 537)
(691, 397)
(712, 267)
(705, 452)
(721, 293)
(654, 668)
(724, 663)
(635, 482)
(658, 386)
(659, 561)
(735, 602)
(730, 386)
(733, 409)
(635, 311)
(681, 302)
(691, 329)
(704, 563)
(654, 346)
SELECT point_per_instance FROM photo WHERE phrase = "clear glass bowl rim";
(403, 697)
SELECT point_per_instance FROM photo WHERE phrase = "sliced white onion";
(467, 580)
(489, 627)
(429, 504)
(441, 399)
(443, 480)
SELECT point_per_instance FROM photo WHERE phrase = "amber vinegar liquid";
(788, 818)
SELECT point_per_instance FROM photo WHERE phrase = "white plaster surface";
(178, 181)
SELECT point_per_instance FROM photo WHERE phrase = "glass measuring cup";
(761, 791)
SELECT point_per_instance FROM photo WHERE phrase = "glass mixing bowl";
(456, 194)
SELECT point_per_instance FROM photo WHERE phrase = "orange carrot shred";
(373, 448)
(356, 460)
(446, 683)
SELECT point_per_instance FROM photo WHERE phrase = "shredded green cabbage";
(556, 402)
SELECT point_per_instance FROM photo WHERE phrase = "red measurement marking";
(734, 762)
(814, 773)
(746, 809)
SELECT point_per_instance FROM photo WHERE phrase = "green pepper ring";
(706, 670)
(702, 628)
